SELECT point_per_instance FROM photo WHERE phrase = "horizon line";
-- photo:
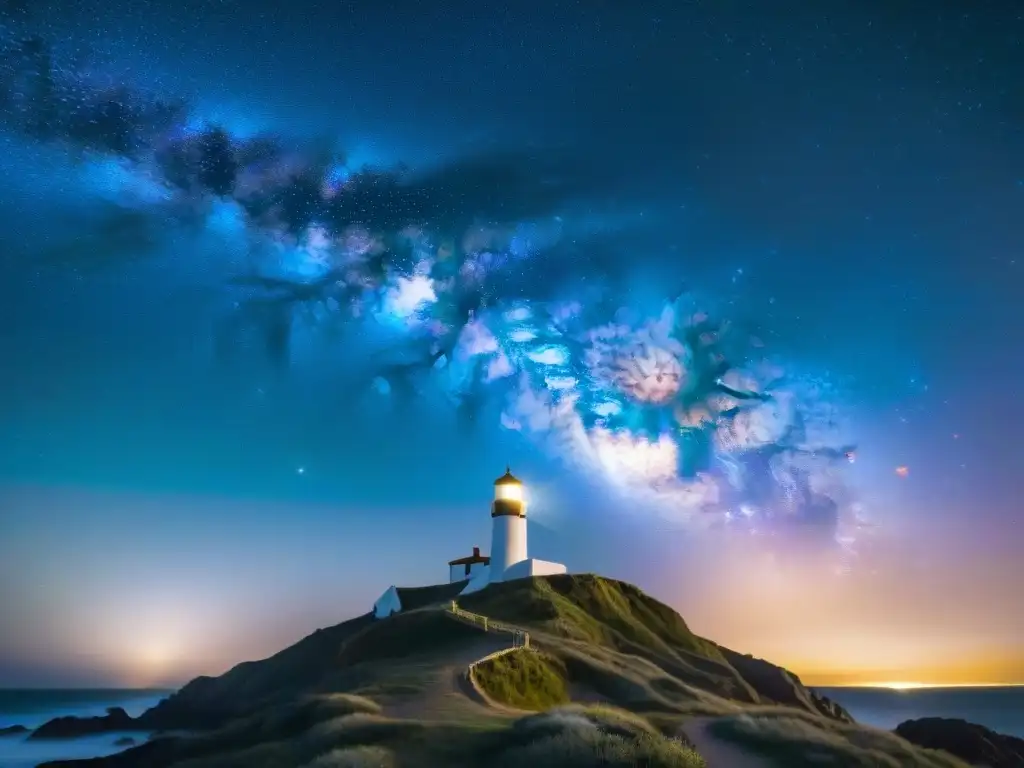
(889, 685)
(911, 686)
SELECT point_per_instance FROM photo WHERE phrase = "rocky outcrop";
(116, 719)
(971, 742)
(13, 730)
(781, 686)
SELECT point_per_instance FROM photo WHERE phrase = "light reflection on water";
(1001, 709)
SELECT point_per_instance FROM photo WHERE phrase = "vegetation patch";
(523, 679)
(610, 720)
(580, 737)
(789, 738)
(593, 610)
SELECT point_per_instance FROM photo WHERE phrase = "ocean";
(1001, 709)
(32, 708)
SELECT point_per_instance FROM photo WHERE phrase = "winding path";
(449, 689)
(717, 752)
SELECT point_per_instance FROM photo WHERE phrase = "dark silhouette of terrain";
(399, 691)
(972, 743)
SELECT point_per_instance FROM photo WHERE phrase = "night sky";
(737, 288)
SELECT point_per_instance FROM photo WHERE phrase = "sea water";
(32, 708)
(1001, 709)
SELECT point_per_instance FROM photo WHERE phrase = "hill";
(432, 686)
(637, 652)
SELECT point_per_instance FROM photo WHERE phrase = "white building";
(387, 604)
(508, 560)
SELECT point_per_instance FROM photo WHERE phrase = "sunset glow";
(905, 686)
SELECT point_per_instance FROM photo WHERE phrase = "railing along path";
(520, 639)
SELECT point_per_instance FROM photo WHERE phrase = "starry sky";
(240, 395)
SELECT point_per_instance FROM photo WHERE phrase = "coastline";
(1000, 708)
(31, 707)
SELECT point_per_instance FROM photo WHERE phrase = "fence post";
(485, 623)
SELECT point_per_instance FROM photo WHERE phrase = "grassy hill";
(423, 688)
(635, 651)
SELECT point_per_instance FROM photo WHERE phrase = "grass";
(615, 642)
(336, 699)
(590, 609)
(565, 737)
(404, 635)
(788, 738)
(581, 737)
(523, 679)
(602, 629)
(420, 597)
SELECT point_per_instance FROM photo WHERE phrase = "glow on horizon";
(908, 686)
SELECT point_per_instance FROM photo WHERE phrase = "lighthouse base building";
(508, 559)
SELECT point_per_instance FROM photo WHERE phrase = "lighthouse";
(508, 559)
(508, 525)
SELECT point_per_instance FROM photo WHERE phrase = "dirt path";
(717, 752)
(445, 691)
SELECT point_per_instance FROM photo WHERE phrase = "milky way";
(470, 274)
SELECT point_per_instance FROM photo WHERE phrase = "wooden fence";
(520, 639)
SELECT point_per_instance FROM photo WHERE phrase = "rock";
(971, 742)
(13, 730)
(116, 719)
(125, 741)
(783, 687)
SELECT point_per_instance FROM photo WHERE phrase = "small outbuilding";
(464, 568)
(387, 604)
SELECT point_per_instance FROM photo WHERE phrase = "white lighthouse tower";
(508, 525)
(508, 560)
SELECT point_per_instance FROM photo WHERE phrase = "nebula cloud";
(461, 274)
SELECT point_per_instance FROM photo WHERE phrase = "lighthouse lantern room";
(508, 525)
